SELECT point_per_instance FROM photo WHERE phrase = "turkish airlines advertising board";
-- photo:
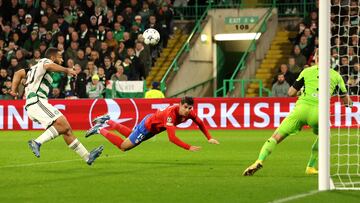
(217, 113)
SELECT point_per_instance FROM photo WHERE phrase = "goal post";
(324, 96)
(339, 49)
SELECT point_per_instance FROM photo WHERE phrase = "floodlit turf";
(158, 171)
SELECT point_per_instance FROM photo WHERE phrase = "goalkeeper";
(304, 113)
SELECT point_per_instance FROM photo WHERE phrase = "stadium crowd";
(344, 46)
(100, 39)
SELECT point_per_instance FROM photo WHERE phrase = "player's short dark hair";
(187, 100)
(51, 51)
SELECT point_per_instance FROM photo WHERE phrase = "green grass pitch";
(158, 171)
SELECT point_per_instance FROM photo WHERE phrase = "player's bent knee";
(62, 126)
(126, 145)
(278, 137)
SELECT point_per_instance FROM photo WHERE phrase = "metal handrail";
(185, 47)
(242, 62)
(193, 87)
(243, 81)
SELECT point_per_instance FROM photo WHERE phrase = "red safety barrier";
(217, 113)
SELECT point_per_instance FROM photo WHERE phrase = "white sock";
(48, 135)
(79, 149)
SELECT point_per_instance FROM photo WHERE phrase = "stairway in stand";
(166, 57)
(279, 53)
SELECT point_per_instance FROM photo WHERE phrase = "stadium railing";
(174, 66)
(228, 84)
(300, 8)
(193, 88)
(193, 12)
(244, 82)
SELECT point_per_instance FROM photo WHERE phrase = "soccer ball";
(151, 36)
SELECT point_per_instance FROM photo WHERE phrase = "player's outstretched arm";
(347, 100)
(292, 92)
(204, 130)
(171, 134)
(57, 68)
(18, 76)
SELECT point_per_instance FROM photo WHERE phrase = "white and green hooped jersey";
(38, 82)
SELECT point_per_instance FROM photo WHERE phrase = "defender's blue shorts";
(140, 133)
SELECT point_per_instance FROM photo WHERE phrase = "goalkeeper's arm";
(346, 100)
(296, 87)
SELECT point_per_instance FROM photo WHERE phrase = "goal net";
(344, 144)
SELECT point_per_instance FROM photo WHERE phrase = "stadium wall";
(217, 113)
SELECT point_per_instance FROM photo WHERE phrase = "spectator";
(3, 61)
(118, 32)
(109, 19)
(154, 92)
(289, 76)
(354, 79)
(56, 94)
(110, 41)
(136, 65)
(101, 74)
(89, 8)
(118, 6)
(6, 33)
(80, 82)
(80, 59)
(280, 87)
(6, 89)
(71, 52)
(99, 15)
(58, 7)
(42, 49)
(36, 57)
(10, 50)
(84, 34)
(13, 66)
(109, 68)
(137, 26)
(293, 67)
(144, 56)
(68, 17)
(305, 47)
(101, 33)
(335, 62)
(119, 75)
(94, 89)
(344, 67)
(300, 59)
(164, 17)
(28, 22)
(62, 24)
(94, 56)
(3, 77)
(121, 51)
(104, 51)
(145, 12)
(93, 42)
(32, 43)
(91, 68)
(128, 42)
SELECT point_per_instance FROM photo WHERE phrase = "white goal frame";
(324, 96)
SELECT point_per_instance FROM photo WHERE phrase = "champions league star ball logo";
(125, 111)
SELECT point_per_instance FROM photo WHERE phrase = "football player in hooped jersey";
(38, 84)
(152, 124)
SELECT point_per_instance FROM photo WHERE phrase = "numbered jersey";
(38, 82)
(309, 79)
(169, 116)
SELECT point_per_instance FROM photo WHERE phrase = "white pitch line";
(296, 197)
(52, 162)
